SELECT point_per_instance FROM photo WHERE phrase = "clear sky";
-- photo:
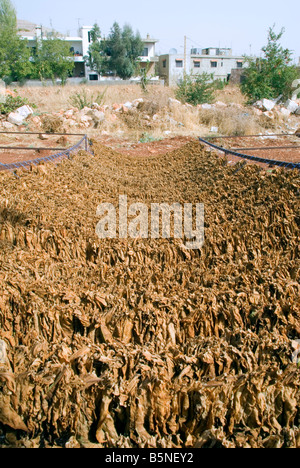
(239, 24)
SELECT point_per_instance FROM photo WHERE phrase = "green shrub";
(196, 89)
(12, 103)
(85, 98)
(147, 138)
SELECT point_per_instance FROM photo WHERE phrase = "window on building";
(214, 64)
(239, 64)
(196, 63)
(90, 36)
(93, 77)
(179, 63)
(164, 64)
(145, 52)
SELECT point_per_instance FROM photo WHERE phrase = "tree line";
(118, 54)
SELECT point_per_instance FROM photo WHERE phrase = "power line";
(194, 42)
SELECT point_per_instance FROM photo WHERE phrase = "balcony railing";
(149, 59)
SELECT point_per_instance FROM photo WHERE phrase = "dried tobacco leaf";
(141, 342)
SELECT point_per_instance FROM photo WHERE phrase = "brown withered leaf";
(142, 343)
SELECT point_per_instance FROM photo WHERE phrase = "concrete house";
(219, 62)
(149, 57)
(79, 45)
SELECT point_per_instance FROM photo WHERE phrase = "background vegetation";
(271, 76)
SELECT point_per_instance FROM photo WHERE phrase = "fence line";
(84, 142)
(272, 162)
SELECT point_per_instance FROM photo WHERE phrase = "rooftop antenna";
(79, 26)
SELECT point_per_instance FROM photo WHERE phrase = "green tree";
(122, 49)
(196, 89)
(8, 17)
(272, 75)
(53, 59)
(95, 58)
(15, 64)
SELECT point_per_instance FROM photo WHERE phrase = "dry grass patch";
(53, 124)
(231, 94)
(54, 99)
(230, 121)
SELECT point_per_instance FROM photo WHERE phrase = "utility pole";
(184, 54)
(78, 20)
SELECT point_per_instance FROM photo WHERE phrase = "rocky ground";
(148, 126)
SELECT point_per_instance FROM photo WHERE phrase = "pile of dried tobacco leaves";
(143, 343)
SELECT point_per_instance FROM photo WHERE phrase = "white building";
(219, 62)
(79, 45)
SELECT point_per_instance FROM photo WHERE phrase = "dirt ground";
(163, 146)
(275, 147)
(56, 143)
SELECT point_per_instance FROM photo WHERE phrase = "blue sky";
(242, 25)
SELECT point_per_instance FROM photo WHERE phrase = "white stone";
(136, 102)
(128, 105)
(7, 125)
(18, 117)
(71, 122)
(269, 114)
(24, 111)
(291, 106)
(174, 101)
(220, 104)
(96, 115)
(206, 106)
(85, 120)
(214, 129)
(15, 118)
(99, 116)
(85, 110)
(265, 104)
(285, 112)
(69, 113)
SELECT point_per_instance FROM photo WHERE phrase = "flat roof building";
(213, 60)
(79, 45)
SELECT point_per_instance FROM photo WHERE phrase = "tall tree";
(53, 59)
(95, 58)
(8, 17)
(15, 62)
(123, 49)
(272, 75)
